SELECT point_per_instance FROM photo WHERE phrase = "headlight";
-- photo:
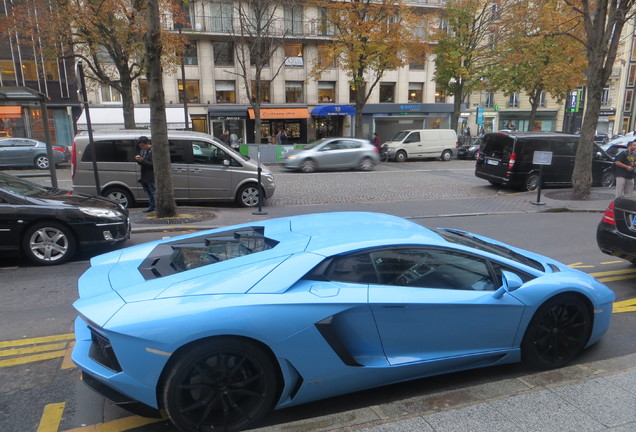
(100, 212)
(292, 157)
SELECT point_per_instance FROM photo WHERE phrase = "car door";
(6, 154)
(24, 152)
(208, 176)
(179, 154)
(9, 225)
(332, 154)
(413, 144)
(563, 158)
(433, 304)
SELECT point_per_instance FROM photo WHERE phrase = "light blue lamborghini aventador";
(219, 327)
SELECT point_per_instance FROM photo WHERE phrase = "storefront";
(389, 119)
(232, 118)
(292, 120)
(333, 120)
(520, 120)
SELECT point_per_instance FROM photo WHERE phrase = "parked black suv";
(506, 159)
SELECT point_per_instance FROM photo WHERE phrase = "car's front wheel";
(41, 162)
(308, 166)
(401, 156)
(222, 384)
(557, 333)
(248, 195)
(366, 164)
(48, 243)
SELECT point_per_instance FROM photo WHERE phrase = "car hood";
(63, 198)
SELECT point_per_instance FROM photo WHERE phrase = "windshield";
(400, 136)
(469, 240)
(18, 186)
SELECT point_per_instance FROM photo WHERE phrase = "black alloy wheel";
(223, 384)
(557, 333)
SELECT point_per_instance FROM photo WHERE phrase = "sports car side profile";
(219, 327)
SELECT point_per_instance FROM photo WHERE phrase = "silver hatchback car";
(333, 154)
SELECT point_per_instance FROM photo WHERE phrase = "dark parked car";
(468, 148)
(332, 154)
(616, 233)
(507, 159)
(48, 225)
(27, 152)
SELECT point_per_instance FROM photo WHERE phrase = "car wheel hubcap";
(250, 197)
(49, 244)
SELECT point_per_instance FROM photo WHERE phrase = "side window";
(433, 268)
(333, 145)
(111, 151)
(498, 268)
(207, 153)
(24, 143)
(350, 144)
(415, 137)
(354, 268)
(177, 151)
(563, 148)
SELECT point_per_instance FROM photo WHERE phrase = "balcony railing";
(223, 25)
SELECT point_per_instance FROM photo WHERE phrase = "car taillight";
(73, 160)
(512, 160)
(60, 149)
(609, 216)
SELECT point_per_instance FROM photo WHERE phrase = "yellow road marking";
(31, 350)
(51, 417)
(625, 306)
(612, 262)
(32, 358)
(579, 265)
(37, 340)
(613, 272)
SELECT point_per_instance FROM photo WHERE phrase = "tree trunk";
(457, 107)
(166, 206)
(582, 174)
(128, 105)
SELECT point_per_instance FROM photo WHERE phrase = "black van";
(506, 159)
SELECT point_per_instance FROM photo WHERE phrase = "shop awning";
(281, 113)
(10, 112)
(333, 110)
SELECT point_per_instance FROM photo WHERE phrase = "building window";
(352, 92)
(605, 97)
(294, 92)
(513, 100)
(387, 92)
(265, 91)
(225, 91)
(223, 53)
(629, 96)
(294, 20)
(109, 94)
(324, 57)
(7, 71)
(489, 100)
(416, 66)
(416, 92)
(543, 100)
(51, 70)
(221, 16)
(143, 91)
(440, 95)
(326, 27)
(30, 70)
(190, 56)
(326, 91)
(191, 91)
(294, 55)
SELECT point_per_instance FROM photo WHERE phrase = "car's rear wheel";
(557, 333)
(41, 162)
(446, 155)
(247, 195)
(48, 243)
(608, 179)
(221, 385)
(119, 195)
(532, 182)
(401, 156)
(308, 166)
(366, 164)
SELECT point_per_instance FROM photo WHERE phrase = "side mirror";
(226, 162)
(511, 282)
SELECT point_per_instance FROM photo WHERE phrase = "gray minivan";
(506, 158)
(203, 168)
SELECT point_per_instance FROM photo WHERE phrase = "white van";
(423, 143)
(202, 168)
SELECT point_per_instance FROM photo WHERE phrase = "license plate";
(492, 162)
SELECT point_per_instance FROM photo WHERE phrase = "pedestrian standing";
(624, 169)
(225, 137)
(147, 180)
(279, 137)
(377, 142)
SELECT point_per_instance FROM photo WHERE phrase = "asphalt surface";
(597, 396)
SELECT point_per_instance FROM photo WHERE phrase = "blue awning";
(333, 110)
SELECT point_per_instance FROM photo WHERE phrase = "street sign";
(542, 158)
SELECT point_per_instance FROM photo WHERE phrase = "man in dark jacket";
(147, 180)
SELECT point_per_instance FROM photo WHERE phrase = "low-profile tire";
(222, 384)
(365, 164)
(48, 243)
(119, 195)
(532, 182)
(308, 166)
(608, 179)
(401, 156)
(446, 155)
(247, 195)
(41, 162)
(558, 332)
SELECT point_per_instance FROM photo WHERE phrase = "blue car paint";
(148, 321)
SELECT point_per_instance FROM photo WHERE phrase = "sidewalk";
(551, 200)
